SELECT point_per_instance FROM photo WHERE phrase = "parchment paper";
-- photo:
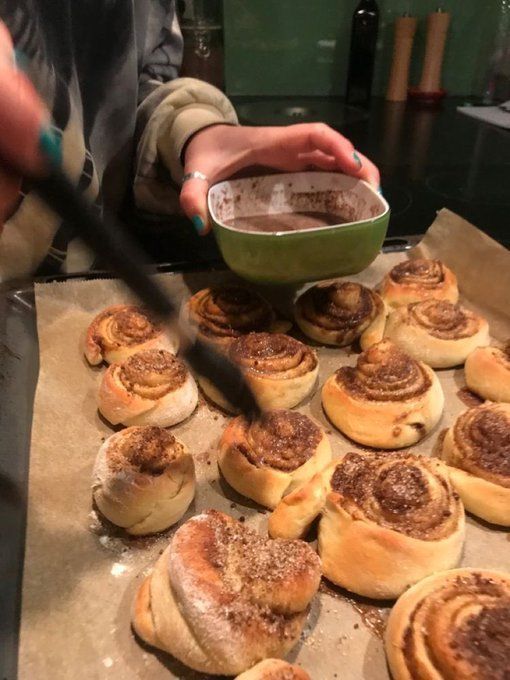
(80, 577)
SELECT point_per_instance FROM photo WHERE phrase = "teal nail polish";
(379, 191)
(198, 223)
(357, 159)
(21, 60)
(51, 146)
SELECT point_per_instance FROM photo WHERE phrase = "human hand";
(24, 122)
(220, 151)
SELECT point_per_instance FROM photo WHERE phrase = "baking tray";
(19, 365)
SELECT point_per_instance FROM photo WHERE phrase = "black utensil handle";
(107, 238)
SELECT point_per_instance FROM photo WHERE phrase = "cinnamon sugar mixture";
(403, 492)
(142, 366)
(148, 450)
(281, 439)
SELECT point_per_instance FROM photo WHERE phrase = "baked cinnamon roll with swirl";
(417, 280)
(437, 332)
(280, 370)
(274, 669)
(388, 400)
(151, 387)
(455, 624)
(122, 330)
(341, 312)
(388, 520)
(488, 372)
(224, 313)
(221, 598)
(477, 448)
(267, 458)
(143, 480)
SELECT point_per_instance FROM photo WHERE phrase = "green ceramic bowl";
(306, 255)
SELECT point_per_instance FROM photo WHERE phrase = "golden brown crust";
(477, 448)
(385, 510)
(339, 313)
(437, 332)
(122, 330)
(454, 624)
(280, 370)
(143, 479)
(488, 373)
(419, 279)
(267, 458)
(274, 669)
(388, 400)
(224, 313)
(223, 598)
(151, 387)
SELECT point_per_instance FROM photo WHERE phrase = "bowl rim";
(315, 230)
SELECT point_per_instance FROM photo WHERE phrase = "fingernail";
(379, 190)
(198, 223)
(21, 60)
(51, 146)
(357, 159)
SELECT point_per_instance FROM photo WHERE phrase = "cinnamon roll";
(341, 312)
(455, 624)
(266, 459)
(419, 279)
(143, 479)
(221, 598)
(274, 669)
(388, 400)
(151, 387)
(224, 313)
(437, 332)
(379, 511)
(477, 448)
(280, 370)
(122, 330)
(488, 372)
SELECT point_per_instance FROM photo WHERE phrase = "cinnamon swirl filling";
(461, 630)
(123, 325)
(409, 494)
(280, 439)
(443, 319)
(345, 307)
(147, 450)
(228, 312)
(419, 272)
(384, 373)
(273, 354)
(482, 438)
(152, 373)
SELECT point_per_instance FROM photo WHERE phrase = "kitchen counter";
(429, 159)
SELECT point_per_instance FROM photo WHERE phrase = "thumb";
(193, 201)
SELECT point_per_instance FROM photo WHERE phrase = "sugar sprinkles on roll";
(151, 387)
(222, 598)
(143, 479)
(387, 520)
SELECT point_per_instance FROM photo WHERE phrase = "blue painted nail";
(379, 191)
(357, 159)
(21, 60)
(51, 146)
(198, 223)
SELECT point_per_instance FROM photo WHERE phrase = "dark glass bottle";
(365, 24)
